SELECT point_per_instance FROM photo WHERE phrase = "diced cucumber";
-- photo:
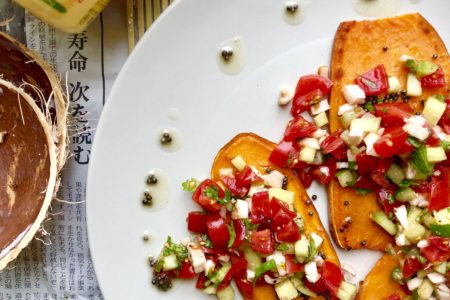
(220, 274)
(381, 219)
(442, 216)
(253, 259)
(395, 173)
(346, 291)
(302, 249)
(286, 248)
(285, 290)
(423, 273)
(170, 262)
(226, 293)
(210, 290)
(426, 289)
(350, 115)
(424, 68)
(441, 268)
(433, 110)
(307, 154)
(321, 119)
(436, 154)
(283, 195)
(298, 284)
(345, 177)
(419, 161)
(427, 220)
(415, 232)
(239, 163)
(394, 85)
(413, 86)
(414, 214)
(405, 194)
(366, 124)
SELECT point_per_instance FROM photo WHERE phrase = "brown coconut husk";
(28, 169)
(26, 69)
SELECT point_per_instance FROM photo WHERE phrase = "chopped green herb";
(211, 192)
(312, 249)
(391, 199)
(362, 192)
(207, 241)
(407, 183)
(384, 110)
(282, 247)
(300, 223)
(267, 266)
(190, 185)
(368, 106)
(159, 265)
(411, 65)
(445, 145)
(249, 225)
(397, 274)
(179, 250)
(439, 97)
(225, 200)
(232, 235)
(352, 165)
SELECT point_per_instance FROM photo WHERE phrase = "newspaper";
(57, 264)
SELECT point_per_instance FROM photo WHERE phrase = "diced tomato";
(304, 102)
(384, 199)
(435, 80)
(319, 287)
(291, 265)
(186, 271)
(309, 89)
(365, 162)
(374, 81)
(206, 202)
(260, 208)
(438, 249)
(218, 231)
(239, 229)
(232, 184)
(406, 148)
(284, 227)
(439, 195)
(246, 177)
(285, 154)
(238, 269)
(325, 173)
(298, 128)
(334, 145)
(365, 182)
(433, 140)
(332, 276)
(390, 142)
(378, 173)
(305, 177)
(411, 266)
(393, 114)
(262, 242)
(445, 119)
(245, 287)
(276, 205)
(201, 280)
(197, 222)
(394, 296)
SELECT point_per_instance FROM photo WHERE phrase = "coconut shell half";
(28, 169)
(26, 69)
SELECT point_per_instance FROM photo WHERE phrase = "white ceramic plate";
(172, 80)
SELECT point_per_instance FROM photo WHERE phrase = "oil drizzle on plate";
(377, 8)
(232, 56)
(169, 139)
(294, 11)
(158, 190)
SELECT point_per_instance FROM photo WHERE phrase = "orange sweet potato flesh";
(358, 47)
(378, 283)
(256, 150)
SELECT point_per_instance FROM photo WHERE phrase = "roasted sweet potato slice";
(378, 283)
(255, 151)
(358, 47)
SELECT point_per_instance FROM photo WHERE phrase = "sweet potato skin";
(378, 283)
(256, 150)
(358, 47)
